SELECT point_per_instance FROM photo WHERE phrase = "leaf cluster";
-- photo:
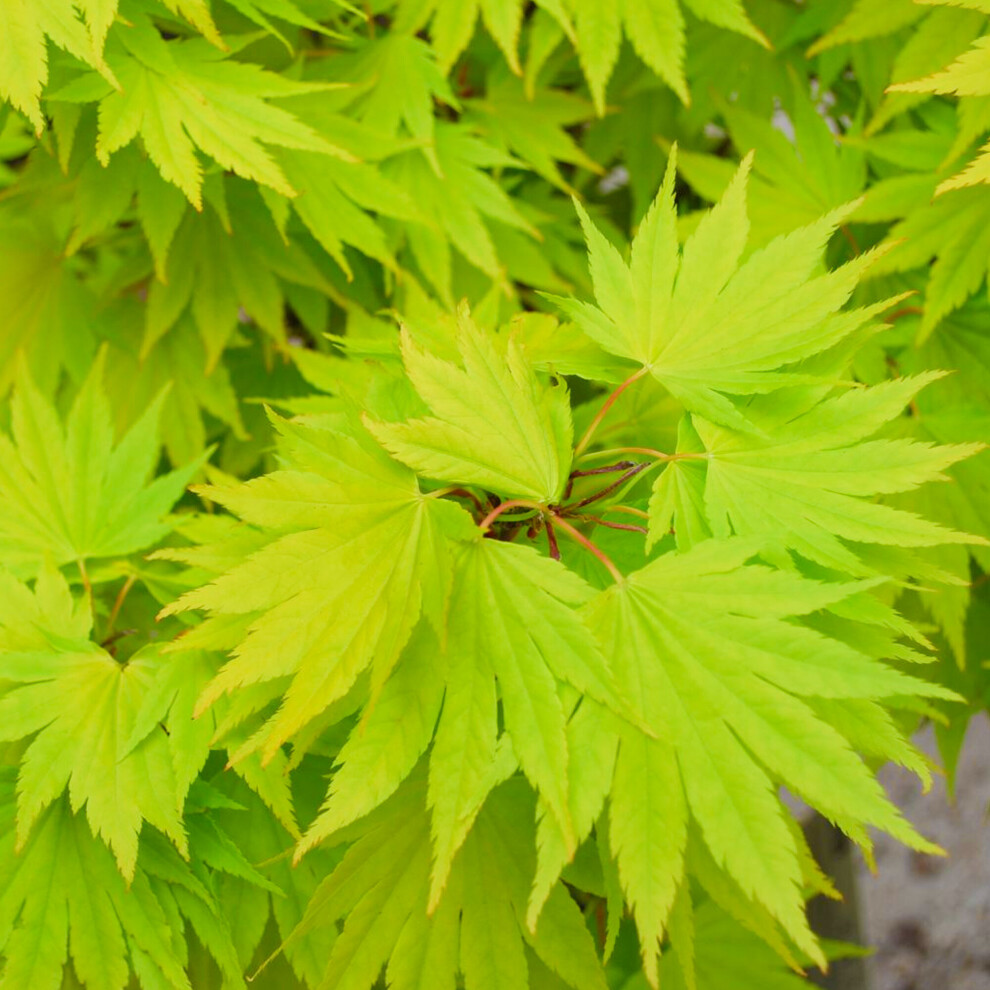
(465, 466)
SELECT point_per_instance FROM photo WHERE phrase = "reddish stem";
(611, 525)
(609, 402)
(645, 451)
(513, 503)
(627, 508)
(464, 493)
(608, 489)
(552, 541)
(579, 537)
(608, 469)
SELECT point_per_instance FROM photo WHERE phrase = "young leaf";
(811, 486)
(380, 889)
(356, 555)
(61, 896)
(80, 709)
(70, 492)
(495, 425)
(722, 697)
(704, 324)
(182, 96)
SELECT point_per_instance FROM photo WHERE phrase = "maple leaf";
(354, 555)
(176, 366)
(451, 26)
(25, 28)
(532, 646)
(794, 182)
(338, 196)
(810, 484)
(950, 233)
(495, 424)
(654, 29)
(701, 642)
(869, 19)
(705, 325)
(45, 303)
(62, 895)
(404, 80)
(478, 927)
(532, 125)
(460, 202)
(70, 493)
(184, 95)
(80, 709)
(207, 274)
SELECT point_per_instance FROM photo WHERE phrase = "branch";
(609, 402)
(589, 546)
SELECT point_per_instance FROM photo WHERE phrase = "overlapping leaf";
(654, 29)
(183, 96)
(478, 928)
(61, 896)
(78, 711)
(705, 323)
(810, 486)
(495, 424)
(71, 493)
(701, 642)
(354, 555)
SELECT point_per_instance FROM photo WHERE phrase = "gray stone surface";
(930, 917)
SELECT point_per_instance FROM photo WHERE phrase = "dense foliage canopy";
(583, 405)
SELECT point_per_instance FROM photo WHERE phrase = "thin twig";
(611, 525)
(608, 469)
(117, 605)
(626, 508)
(645, 451)
(552, 541)
(609, 402)
(574, 534)
(513, 503)
(608, 489)
(87, 584)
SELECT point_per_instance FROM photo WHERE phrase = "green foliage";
(461, 463)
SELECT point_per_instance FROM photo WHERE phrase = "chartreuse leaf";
(701, 641)
(968, 75)
(809, 484)
(869, 19)
(404, 80)
(355, 555)
(26, 27)
(495, 424)
(79, 709)
(385, 747)
(510, 621)
(949, 232)
(380, 890)
(459, 200)
(451, 26)
(182, 96)
(655, 28)
(703, 322)
(796, 180)
(62, 897)
(69, 492)
(533, 127)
